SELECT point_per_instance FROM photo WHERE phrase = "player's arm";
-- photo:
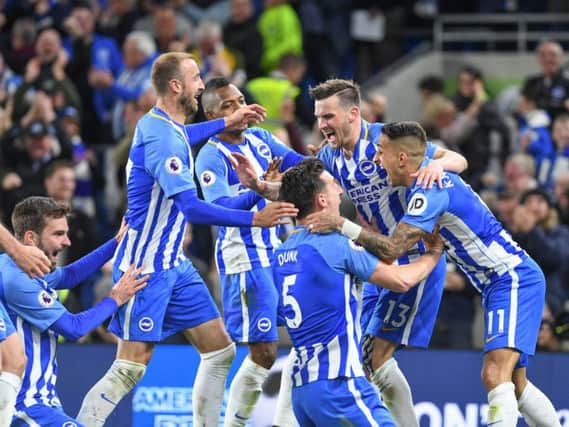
(74, 273)
(29, 258)
(443, 160)
(247, 114)
(211, 171)
(74, 326)
(401, 278)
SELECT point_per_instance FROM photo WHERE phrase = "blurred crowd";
(75, 79)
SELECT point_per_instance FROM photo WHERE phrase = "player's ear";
(353, 114)
(30, 238)
(321, 201)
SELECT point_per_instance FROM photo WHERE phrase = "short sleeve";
(327, 156)
(280, 149)
(358, 261)
(430, 150)
(211, 171)
(425, 207)
(32, 301)
(168, 159)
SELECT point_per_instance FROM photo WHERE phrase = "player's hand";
(244, 116)
(323, 222)
(428, 175)
(314, 149)
(272, 174)
(30, 259)
(245, 171)
(274, 214)
(433, 241)
(368, 225)
(128, 285)
(124, 228)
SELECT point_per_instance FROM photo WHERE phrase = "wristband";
(350, 230)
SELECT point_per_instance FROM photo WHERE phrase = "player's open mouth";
(330, 136)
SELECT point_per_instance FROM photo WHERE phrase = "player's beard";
(188, 104)
(48, 255)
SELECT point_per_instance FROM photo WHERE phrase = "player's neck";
(231, 138)
(170, 107)
(355, 133)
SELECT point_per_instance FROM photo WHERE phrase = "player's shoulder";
(153, 124)
(207, 152)
(374, 130)
(11, 273)
(257, 132)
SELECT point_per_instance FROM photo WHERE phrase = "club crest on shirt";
(207, 178)
(45, 298)
(174, 165)
(264, 324)
(366, 167)
(355, 246)
(417, 204)
(264, 150)
(146, 324)
(69, 424)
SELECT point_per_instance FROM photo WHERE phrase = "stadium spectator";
(89, 54)
(280, 95)
(26, 162)
(20, 46)
(46, 73)
(487, 143)
(33, 303)
(536, 227)
(213, 57)
(430, 86)
(241, 34)
(281, 32)
(118, 18)
(519, 174)
(171, 31)
(139, 51)
(560, 134)
(534, 136)
(552, 85)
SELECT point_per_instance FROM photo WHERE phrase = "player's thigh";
(513, 307)
(190, 304)
(45, 416)
(250, 302)
(142, 317)
(341, 402)
(13, 354)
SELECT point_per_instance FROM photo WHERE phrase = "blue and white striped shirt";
(319, 278)
(33, 307)
(365, 182)
(241, 249)
(160, 165)
(474, 239)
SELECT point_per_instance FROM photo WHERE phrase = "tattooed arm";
(388, 249)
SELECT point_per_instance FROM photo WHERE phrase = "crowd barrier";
(446, 385)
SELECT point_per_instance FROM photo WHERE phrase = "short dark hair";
(530, 92)
(408, 136)
(209, 95)
(396, 130)
(347, 91)
(165, 68)
(291, 60)
(32, 213)
(432, 83)
(301, 183)
(58, 164)
(473, 71)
